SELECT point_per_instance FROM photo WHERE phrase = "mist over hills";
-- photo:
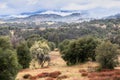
(59, 16)
(55, 15)
(114, 16)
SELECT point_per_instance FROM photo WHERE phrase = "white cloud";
(32, 2)
(92, 4)
(56, 12)
(3, 5)
(19, 6)
(73, 6)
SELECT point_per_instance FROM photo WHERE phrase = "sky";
(100, 7)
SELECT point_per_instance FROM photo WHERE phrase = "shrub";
(64, 45)
(9, 65)
(107, 55)
(5, 43)
(51, 45)
(40, 47)
(24, 56)
(32, 38)
(81, 50)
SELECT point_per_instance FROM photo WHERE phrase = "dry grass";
(57, 64)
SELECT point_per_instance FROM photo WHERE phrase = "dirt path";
(58, 64)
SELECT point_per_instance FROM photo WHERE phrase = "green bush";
(81, 50)
(39, 47)
(107, 55)
(5, 43)
(51, 45)
(9, 65)
(23, 53)
(64, 45)
(32, 38)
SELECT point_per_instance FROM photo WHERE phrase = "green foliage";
(64, 45)
(32, 38)
(24, 56)
(40, 47)
(107, 55)
(9, 65)
(51, 45)
(5, 43)
(4, 30)
(80, 50)
(115, 39)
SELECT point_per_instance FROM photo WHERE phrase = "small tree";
(107, 55)
(40, 47)
(24, 56)
(9, 65)
(80, 50)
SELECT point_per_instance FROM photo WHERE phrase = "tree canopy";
(107, 55)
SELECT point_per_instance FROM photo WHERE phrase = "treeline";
(104, 28)
(99, 28)
(90, 49)
(60, 34)
(31, 25)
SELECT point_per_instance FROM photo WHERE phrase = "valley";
(59, 40)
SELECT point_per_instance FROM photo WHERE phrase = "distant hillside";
(41, 16)
(48, 17)
(114, 16)
(55, 16)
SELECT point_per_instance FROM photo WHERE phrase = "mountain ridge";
(49, 17)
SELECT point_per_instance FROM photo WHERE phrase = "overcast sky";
(19, 6)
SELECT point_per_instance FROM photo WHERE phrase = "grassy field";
(58, 64)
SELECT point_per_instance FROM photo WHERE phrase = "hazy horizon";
(95, 7)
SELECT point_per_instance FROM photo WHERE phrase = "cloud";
(58, 13)
(20, 6)
(73, 6)
(3, 5)
(93, 4)
(32, 2)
